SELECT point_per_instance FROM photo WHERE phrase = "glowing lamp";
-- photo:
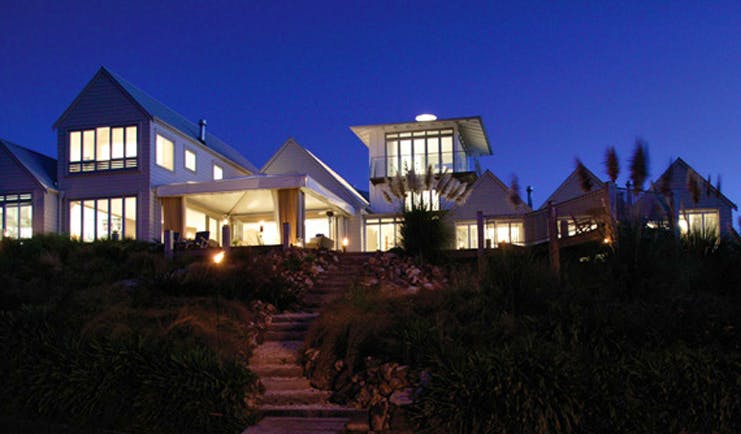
(425, 117)
(217, 258)
(345, 242)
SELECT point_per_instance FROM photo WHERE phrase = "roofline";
(25, 168)
(563, 183)
(501, 184)
(320, 164)
(712, 187)
(101, 71)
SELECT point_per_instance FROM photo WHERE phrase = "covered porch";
(255, 209)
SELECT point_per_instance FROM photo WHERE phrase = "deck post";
(480, 243)
(168, 241)
(553, 249)
(226, 237)
(286, 235)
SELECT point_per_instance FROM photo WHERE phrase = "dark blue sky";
(551, 81)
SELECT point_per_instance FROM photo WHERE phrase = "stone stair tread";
(278, 370)
(282, 335)
(288, 326)
(311, 410)
(294, 316)
(298, 425)
(285, 383)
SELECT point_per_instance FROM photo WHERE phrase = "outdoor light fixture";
(606, 240)
(425, 117)
(262, 225)
(345, 242)
(218, 257)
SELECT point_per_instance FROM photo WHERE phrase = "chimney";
(202, 130)
(529, 190)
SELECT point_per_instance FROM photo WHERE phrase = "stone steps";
(290, 404)
(295, 396)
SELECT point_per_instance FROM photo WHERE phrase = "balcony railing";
(382, 167)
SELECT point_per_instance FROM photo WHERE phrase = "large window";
(381, 234)
(95, 219)
(190, 160)
(165, 153)
(16, 215)
(495, 233)
(418, 150)
(429, 198)
(703, 221)
(103, 148)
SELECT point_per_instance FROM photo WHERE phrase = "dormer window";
(103, 148)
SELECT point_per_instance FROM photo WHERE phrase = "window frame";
(185, 160)
(96, 219)
(18, 201)
(77, 164)
(215, 166)
(158, 135)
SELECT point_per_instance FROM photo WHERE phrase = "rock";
(402, 397)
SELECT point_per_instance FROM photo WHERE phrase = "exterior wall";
(50, 214)
(16, 179)
(490, 196)
(683, 197)
(377, 149)
(103, 104)
(570, 189)
(355, 233)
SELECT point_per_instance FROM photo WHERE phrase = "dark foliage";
(423, 232)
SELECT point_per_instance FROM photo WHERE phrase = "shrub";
(423, 232)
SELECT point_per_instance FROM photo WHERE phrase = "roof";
(41, 167)
(573, 177)
(681, 162)
(489, 176)
(471, 129)
(161, 112)
(322, 166)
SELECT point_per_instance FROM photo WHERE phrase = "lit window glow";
(218, 172)
(165, 153)
(190, 160)
(102, 148)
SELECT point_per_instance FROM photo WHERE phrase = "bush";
(125, 383)
(423, 232)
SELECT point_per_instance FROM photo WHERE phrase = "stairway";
(290, 404)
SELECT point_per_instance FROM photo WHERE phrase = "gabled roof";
(572, 181)
(681, 163)
(319, 164)
(489, 177)
(471, 130)
(163, 113)
(41, 167)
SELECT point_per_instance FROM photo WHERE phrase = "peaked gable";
(489, 195)
(39, 166)
(571, 187)
(679, 171)
(291, 157)
(154, 109)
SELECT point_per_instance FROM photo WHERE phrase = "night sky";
(552, 82)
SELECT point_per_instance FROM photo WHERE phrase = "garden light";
(217, 258)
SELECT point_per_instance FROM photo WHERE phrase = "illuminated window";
(702, 221)
(190, 160)
(382, 234)
(102, 218)
(495, 233)
(165, 153)
(419, 150)
(103, 148)
(16, 216)
(429, 198)
(466, 236)
(218, 172)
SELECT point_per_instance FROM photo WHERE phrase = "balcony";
(457, 163)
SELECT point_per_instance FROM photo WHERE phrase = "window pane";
(130, 222)
(190, 160)
(461, 237)
(218, 172)
(117, 143)
(11, 221)
(102, 219)
(103, 139)
(75, 147)
(695, 222)
(446, 149)
(711, 223)
(75, 220)
(116, 216)
(88, 145)
(420, 160)
(2, 222)
(433, 153)
(164, 153)
(26, 221)
(388, 236)
(405, 150)
(88, 220)
(131, 140)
